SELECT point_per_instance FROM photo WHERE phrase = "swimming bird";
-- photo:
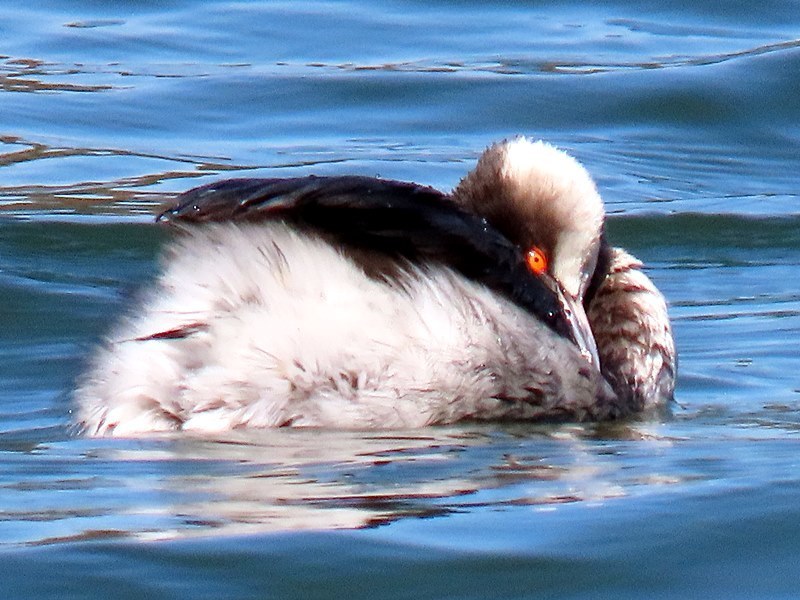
(355, 302)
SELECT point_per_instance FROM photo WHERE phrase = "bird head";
(547, 204)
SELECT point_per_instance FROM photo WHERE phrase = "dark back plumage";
(418, 223)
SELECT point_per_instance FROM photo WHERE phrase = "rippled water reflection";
(287, 480)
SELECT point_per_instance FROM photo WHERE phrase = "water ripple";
(32, 75)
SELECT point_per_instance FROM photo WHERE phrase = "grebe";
(355, 302)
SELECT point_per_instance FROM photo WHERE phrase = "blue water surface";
(687, 115)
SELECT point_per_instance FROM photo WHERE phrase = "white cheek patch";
(575, 262)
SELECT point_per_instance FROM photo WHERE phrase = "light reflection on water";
(295, 480)
(284, 480)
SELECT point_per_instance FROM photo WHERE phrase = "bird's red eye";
(537, 260)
